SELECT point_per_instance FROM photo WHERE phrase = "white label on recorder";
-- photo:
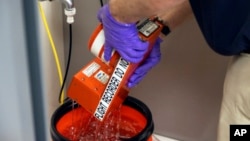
(102, 76)
(111, 88)
(92, 68)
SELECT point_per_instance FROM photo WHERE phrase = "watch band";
(165, 30)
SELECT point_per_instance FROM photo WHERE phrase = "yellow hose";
(53, 48)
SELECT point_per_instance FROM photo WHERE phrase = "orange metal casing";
(88, 86)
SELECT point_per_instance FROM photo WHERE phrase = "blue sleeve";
(225, 24)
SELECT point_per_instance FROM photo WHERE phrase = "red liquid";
(79, 125)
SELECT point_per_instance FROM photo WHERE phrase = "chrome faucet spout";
(69, 4)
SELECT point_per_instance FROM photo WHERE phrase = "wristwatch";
(165, 30)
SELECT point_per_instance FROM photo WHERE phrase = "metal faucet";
(68, 4)
(69, 9)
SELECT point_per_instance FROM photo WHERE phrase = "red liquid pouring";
(80, 125)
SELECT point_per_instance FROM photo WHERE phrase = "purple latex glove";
(121, 37)
(153, 59)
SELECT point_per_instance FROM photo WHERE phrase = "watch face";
(147, 27)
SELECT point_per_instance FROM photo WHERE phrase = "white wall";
(23, 85)
(15, 101)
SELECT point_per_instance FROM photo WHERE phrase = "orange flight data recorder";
(100, 86)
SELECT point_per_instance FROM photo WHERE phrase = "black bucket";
(133, 109)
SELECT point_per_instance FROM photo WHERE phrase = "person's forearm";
(176, 15)
(130, 11)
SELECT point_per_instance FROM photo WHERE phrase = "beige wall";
(184, 91)
(54, 15)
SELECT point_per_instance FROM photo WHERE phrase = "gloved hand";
(121, 37)
(153, 59)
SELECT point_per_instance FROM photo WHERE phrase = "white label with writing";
(92, 68)
(102, 76)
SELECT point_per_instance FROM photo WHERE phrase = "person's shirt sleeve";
(224, 24)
